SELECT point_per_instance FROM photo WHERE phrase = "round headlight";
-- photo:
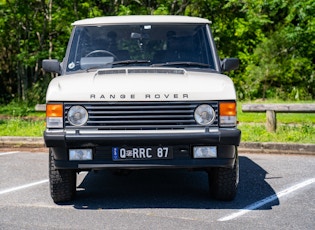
(204, 114)
(77, 115)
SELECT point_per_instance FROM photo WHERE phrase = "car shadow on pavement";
(171, 188)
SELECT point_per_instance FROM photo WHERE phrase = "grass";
(18, 109)
(18, 119)
(19, 127)
(302, 133)
(292, 127)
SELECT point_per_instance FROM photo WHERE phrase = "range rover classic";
(138, 93)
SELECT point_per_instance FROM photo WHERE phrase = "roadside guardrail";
(40, 107)
(272, 109)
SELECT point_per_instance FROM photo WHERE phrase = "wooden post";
(40, 107)
(271, 123)
(272, 109)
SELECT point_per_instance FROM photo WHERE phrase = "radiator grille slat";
(140, 115)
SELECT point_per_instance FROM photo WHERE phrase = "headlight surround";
(204, 114)
(77, 115)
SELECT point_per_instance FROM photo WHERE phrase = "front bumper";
(101, 143)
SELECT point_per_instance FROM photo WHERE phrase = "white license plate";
(142, 153)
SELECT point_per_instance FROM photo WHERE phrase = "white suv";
(142, 92)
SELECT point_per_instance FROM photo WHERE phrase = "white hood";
(141, 84)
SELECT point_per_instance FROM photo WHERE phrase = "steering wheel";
(102, 51)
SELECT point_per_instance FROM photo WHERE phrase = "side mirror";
(229, 64)
(51, 65)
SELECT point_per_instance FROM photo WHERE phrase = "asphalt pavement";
(276, 191)
(245, 147)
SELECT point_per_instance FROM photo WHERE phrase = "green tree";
(274, 39)
(282, 64)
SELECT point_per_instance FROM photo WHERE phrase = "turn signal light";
(228, 114)
(54, 116)
(54, 110)
(228, 109)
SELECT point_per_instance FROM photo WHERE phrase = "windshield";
(184, 45)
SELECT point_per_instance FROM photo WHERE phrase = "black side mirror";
(229, 64)
(51, 65)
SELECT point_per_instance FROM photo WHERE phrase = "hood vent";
(141, 71)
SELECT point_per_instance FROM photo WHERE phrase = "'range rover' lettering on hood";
(91, 86)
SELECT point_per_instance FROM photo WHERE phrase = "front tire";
(62, 182)
(223, 182)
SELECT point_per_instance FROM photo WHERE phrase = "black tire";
(223, 182)
(62, 182)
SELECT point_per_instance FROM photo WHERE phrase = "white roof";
(135, 19)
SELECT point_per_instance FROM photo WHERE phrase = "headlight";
(204, 114)
(77, 115)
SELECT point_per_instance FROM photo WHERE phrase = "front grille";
(140, 115)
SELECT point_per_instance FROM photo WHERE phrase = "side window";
(75, 48)
(202, 46)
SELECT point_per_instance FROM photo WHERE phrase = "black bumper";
(226, 141)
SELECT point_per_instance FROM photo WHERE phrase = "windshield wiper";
(123, 62)
(128, 62)
(180, 63)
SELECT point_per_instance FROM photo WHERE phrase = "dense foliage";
(274, 39)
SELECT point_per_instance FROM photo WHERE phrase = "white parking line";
(7, 153)
(268, 199)
(23, 186)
